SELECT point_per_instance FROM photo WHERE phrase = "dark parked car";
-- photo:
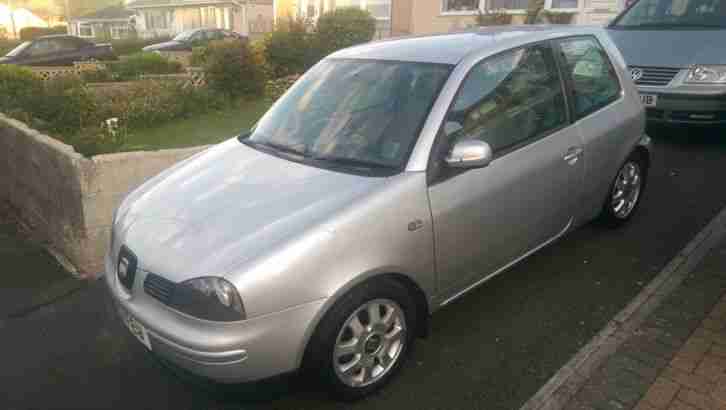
(57, 50)
(676, 55)
(184, 41)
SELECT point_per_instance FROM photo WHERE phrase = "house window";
(119, 32)
(511, 4)
(156, 19)
(85, 30)
(460, 6)
(380, 9)
(564, 4)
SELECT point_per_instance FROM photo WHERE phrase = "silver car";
(677, 58)
(391, 179)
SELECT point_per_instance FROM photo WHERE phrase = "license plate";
(649, 100)
(136, 328)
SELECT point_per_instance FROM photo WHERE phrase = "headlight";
(707, 74)
(209, 298)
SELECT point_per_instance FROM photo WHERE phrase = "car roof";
(51, 36)
(451, 48)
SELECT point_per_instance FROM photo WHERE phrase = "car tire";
(626, 191)
(372, 349)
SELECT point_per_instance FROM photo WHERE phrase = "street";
(491, 349)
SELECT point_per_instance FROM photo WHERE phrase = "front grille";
(159, 288)
(655, 76)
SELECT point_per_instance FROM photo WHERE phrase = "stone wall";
(66, 199)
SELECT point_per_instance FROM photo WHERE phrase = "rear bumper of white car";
(254, 349)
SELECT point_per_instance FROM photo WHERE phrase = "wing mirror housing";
(469, 154)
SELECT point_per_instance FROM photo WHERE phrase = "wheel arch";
(416, 290)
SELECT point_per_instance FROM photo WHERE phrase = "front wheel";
(626, 191)
(364, 339)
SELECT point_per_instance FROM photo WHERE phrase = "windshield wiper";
(277, 147)
(668, 25)
(354, 162)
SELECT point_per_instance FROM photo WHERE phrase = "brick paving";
(676, 359)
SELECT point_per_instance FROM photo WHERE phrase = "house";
(155, 18)
(115, 22)
(403, 17)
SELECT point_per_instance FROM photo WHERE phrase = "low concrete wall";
(66, 199)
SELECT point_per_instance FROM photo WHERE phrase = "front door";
(488, 217)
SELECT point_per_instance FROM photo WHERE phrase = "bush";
(556, 17)
(493, 18)
(199, 56)
(68, 110)
(7, 45)
(342, 28)
(230, 69)
(17, 85)
(131, 67)
(30, 33)
(277, 87)
(135, 45)
(288, 49)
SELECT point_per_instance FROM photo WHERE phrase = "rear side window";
(594, 81)
(509, 100)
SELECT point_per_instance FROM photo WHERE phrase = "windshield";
(185, 35)
(17, 50)
(678, 14)
(355, 112)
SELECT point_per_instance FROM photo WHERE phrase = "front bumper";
(694, 108)
(253, 349)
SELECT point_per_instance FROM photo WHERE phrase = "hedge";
(30, 33)
(66, 109)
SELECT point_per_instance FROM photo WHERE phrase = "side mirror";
(469, 154)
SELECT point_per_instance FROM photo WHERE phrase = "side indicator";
(415, 225)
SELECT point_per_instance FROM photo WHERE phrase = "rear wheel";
(626, 191)
(363, 340)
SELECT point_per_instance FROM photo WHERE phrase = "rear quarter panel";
(610, 135)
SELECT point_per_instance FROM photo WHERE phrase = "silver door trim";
(507, 266)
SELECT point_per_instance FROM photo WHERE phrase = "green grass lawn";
(204, 129)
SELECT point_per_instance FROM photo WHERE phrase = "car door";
(40, 53)
(67, 51)
(488, 217)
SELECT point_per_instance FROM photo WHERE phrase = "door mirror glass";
(469, 154)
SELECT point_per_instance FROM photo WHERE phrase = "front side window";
(353, 111)
(42, 47)
(458, 6)
(594, 81)
(185, 35)
(509, 99)
(674, 14)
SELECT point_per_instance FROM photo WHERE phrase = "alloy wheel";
(626, 190)
(370, 343)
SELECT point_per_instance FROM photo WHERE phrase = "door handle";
(572, 155)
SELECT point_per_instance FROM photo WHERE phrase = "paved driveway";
(491, 349)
